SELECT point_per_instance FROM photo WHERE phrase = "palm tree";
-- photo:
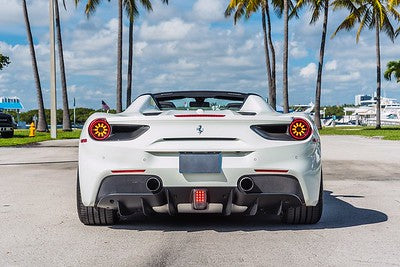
(272, 95)
(119, 59)
(316, 7)
(42, 124)
(285, 88)
(393, 68)
(283, 7)
(132, 11)
(66, 117)
(374, 14)
(247, 8)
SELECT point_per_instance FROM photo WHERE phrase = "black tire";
(305, 214)
(94, 216)
(7, 134)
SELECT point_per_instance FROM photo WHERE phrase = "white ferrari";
(199, 152)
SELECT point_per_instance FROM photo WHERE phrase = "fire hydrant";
(32, 130)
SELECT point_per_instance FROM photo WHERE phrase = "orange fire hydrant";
(32, 130)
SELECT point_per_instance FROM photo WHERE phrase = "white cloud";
(183, 64)
(209, 10)
(309, 70)
(174, 29)
(297, 50)
(331, 65)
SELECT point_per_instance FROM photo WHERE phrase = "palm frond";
(231, 8)
(91, 7)
(344, 4)
(347, 24)
(146, 4)
(387, 27)
(240, 11)
(364, 20)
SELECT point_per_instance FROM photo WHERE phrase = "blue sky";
(187, 45)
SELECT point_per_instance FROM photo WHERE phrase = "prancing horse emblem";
(200, 129)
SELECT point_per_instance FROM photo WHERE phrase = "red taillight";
(300, 129)
(199, 199)
(99, 129)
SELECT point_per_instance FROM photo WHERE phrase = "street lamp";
(53, 96)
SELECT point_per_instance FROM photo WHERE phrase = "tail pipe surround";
(153, 184)
(246, 184)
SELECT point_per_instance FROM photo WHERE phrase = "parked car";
(199, 152)
(7, 125)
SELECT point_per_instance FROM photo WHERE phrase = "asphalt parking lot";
(360, 223)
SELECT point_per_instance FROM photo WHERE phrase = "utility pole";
(53, 95)
(74, 113)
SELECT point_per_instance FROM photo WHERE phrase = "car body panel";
(156, 152)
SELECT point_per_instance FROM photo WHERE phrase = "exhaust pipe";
(246, 184)
(153, 185)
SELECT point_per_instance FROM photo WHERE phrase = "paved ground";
(360, 224)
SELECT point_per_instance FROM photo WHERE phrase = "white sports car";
(199, 152)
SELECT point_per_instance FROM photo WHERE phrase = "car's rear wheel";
(94, 216)
(304, 214)
(7, 134)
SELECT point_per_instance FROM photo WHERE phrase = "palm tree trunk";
(272, 96)
(66, 118)
(119, 60)
(130, 63)
(266, 51)
(42, 124)
(378, 75)
(317, 117)
(285, 56)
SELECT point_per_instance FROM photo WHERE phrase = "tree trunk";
(119, 56)
(42, 124)
(66, 117)
(272, 96)
(130, 63)
(378, 75)
(266, 51)
(285, 56)
(317, 117)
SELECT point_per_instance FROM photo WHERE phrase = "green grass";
(21, 137)
(387, 133)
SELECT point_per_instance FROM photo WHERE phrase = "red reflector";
(200, 115)
(127, 171)
(276, 171)
(199, 199)
(83, 140)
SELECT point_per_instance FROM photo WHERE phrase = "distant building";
(11, 104)
(363, 100)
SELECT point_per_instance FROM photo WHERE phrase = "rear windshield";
(199, 101)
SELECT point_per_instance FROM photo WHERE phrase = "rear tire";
(7, 134)
(304, 214)
(94, 216)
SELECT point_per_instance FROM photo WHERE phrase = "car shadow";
(337, 214)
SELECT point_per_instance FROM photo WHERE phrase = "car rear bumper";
(6, 129)
(131, 193)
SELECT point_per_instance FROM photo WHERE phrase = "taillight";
(300, 129)
(99, 129)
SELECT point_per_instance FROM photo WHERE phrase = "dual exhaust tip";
(246, 184)
(154, 185)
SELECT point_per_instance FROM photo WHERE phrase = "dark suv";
(6, 125)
